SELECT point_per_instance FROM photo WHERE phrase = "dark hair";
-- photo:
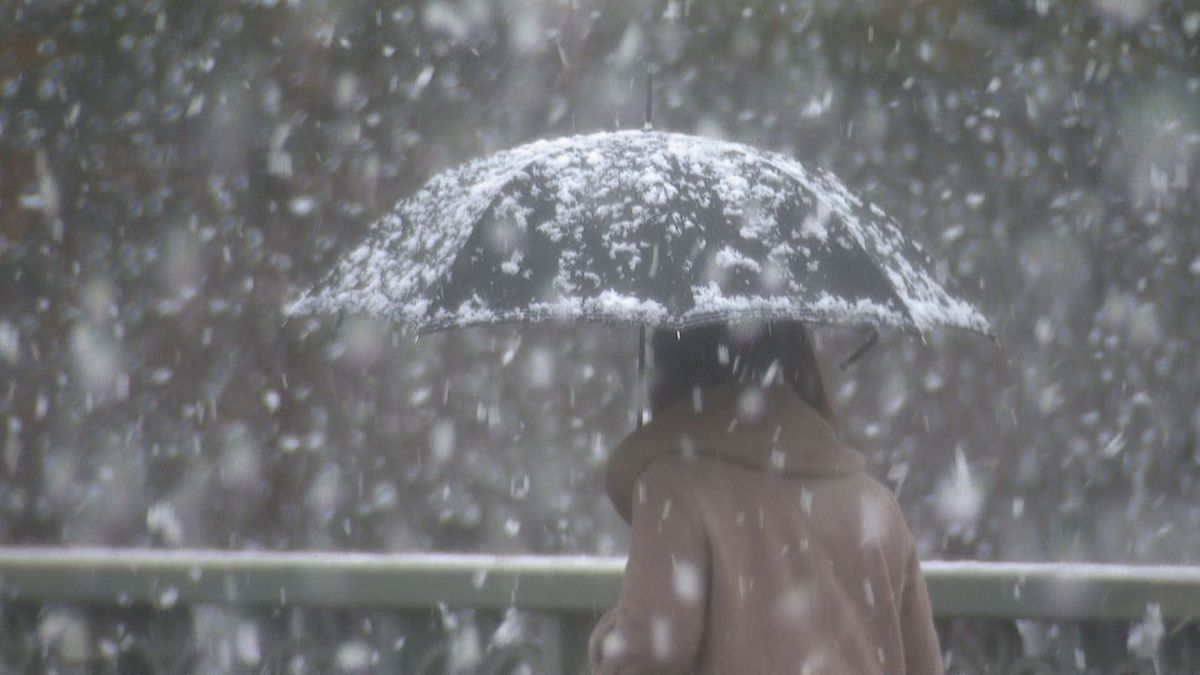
(716, 354)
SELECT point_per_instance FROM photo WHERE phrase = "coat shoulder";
(881, 513)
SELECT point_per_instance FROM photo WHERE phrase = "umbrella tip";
(649, 99)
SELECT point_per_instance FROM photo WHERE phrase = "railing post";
(553, 658)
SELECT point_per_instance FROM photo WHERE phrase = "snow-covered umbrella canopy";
(644, 227)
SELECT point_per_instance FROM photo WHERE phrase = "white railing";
(163, 600)
(1062, 591)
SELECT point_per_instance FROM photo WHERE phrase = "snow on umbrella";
(644, 227)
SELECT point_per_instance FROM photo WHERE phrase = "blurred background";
(173, 173)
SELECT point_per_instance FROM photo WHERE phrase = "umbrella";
(644, 227)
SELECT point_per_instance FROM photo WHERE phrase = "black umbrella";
(643, 227)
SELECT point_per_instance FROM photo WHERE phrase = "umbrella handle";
(872, 339)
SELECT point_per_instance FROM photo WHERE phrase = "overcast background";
(172, 174)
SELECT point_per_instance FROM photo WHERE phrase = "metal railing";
(436, 598)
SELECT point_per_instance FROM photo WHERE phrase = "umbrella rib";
(891, 286)
(491, 204)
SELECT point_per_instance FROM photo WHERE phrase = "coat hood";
(766, 429)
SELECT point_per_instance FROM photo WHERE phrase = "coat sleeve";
(922, 655)
(658, 622)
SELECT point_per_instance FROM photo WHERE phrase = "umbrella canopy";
(644, 227)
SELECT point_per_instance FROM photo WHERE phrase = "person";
(758, 545)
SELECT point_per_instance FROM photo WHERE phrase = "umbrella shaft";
(641, 378)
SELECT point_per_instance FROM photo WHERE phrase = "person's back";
(759, 546)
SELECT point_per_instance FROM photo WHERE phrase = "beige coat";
(760, 547)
